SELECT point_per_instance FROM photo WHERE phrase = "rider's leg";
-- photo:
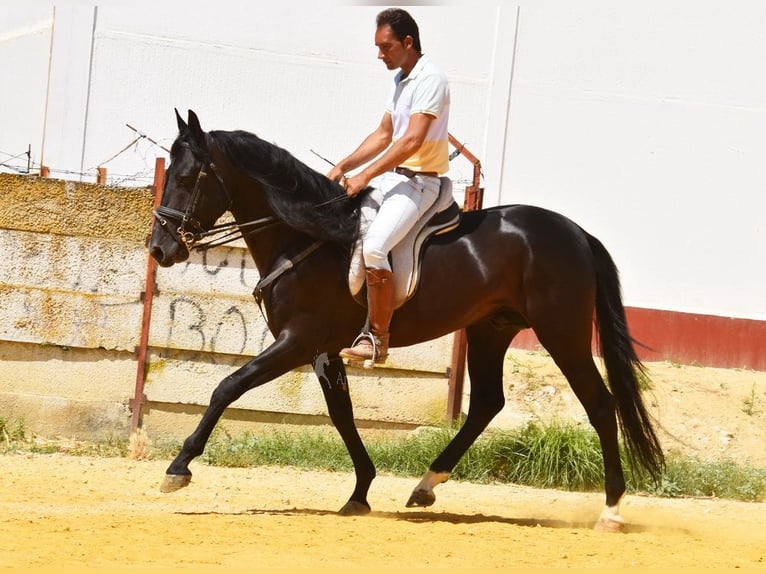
(380, 305)
(404, 202)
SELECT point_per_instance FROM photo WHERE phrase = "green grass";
(750, 403)
(14, 438)
(12, 431)
(555, 455)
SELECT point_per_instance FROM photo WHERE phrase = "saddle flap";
(441, 217)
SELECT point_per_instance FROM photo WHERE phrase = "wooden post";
(45, 171)
(101, 177)
(456, 376)
(474, 195)
(148, 296)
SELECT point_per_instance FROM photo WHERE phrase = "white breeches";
(405, 200)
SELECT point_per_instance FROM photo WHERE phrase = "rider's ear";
(195, 130)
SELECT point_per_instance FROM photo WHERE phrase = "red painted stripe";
(689, 338)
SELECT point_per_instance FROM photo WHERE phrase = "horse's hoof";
(175, 482)
(353, 508)
(614, 524)
(421, 498)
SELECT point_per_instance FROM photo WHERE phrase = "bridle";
(190, 231)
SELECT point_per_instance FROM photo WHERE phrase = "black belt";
(409, 173)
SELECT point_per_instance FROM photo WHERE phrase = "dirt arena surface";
(59, 511)
(72, 512)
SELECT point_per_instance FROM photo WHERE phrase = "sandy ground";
(72, 512)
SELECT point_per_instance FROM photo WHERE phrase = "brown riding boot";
(373, 347)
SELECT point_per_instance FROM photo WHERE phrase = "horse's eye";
(184, 180)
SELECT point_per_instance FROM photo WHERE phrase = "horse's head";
(194, 196)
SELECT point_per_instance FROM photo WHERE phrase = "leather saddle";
(444, 215)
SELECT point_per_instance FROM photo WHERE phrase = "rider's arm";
(372, 145)
(402, 149)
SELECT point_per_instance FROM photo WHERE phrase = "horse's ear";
(195, 130)
(180, 121)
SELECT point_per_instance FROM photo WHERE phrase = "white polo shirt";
(424, 91)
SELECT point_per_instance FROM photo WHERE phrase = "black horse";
(502, 270)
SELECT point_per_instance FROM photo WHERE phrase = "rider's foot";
(367, 347)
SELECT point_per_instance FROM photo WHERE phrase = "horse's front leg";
(332, 377)
(276, 360)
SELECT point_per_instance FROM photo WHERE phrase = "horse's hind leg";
(332, 378)
(487, 345)
(576, 363)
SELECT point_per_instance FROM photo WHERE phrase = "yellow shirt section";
(432, 156)
(424, 91)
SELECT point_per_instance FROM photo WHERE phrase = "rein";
(222, 233)
(190, 231)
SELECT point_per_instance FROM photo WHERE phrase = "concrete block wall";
(71, 280)
(70, 323)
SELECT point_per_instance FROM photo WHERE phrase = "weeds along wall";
(73, 275)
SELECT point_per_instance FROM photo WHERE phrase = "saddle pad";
(405, 256)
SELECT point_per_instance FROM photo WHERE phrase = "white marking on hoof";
(423, 494)
(614, 524)
(610, 519)
(432, 479)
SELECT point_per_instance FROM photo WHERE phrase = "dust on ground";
(79, 511)
(65, 511)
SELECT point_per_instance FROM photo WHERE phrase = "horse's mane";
(300, 196)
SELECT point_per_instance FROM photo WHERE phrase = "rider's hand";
(335, 174)
(355, 184)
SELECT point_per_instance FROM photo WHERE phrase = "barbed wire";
(142, 176)
(7, 162)
(145, 174)
(10, 158)
(135, 141)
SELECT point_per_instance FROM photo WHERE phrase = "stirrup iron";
(366, 363)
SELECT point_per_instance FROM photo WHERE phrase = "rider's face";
(391, 49)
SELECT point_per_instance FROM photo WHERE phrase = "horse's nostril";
(157, 252)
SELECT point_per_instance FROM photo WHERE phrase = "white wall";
(307, 82)
(25, 36)
(643, 122)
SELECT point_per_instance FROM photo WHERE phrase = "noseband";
(190, 231)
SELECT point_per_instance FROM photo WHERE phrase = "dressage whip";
(334, 199)
(322, 158)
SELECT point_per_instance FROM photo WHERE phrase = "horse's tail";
(623, 366)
